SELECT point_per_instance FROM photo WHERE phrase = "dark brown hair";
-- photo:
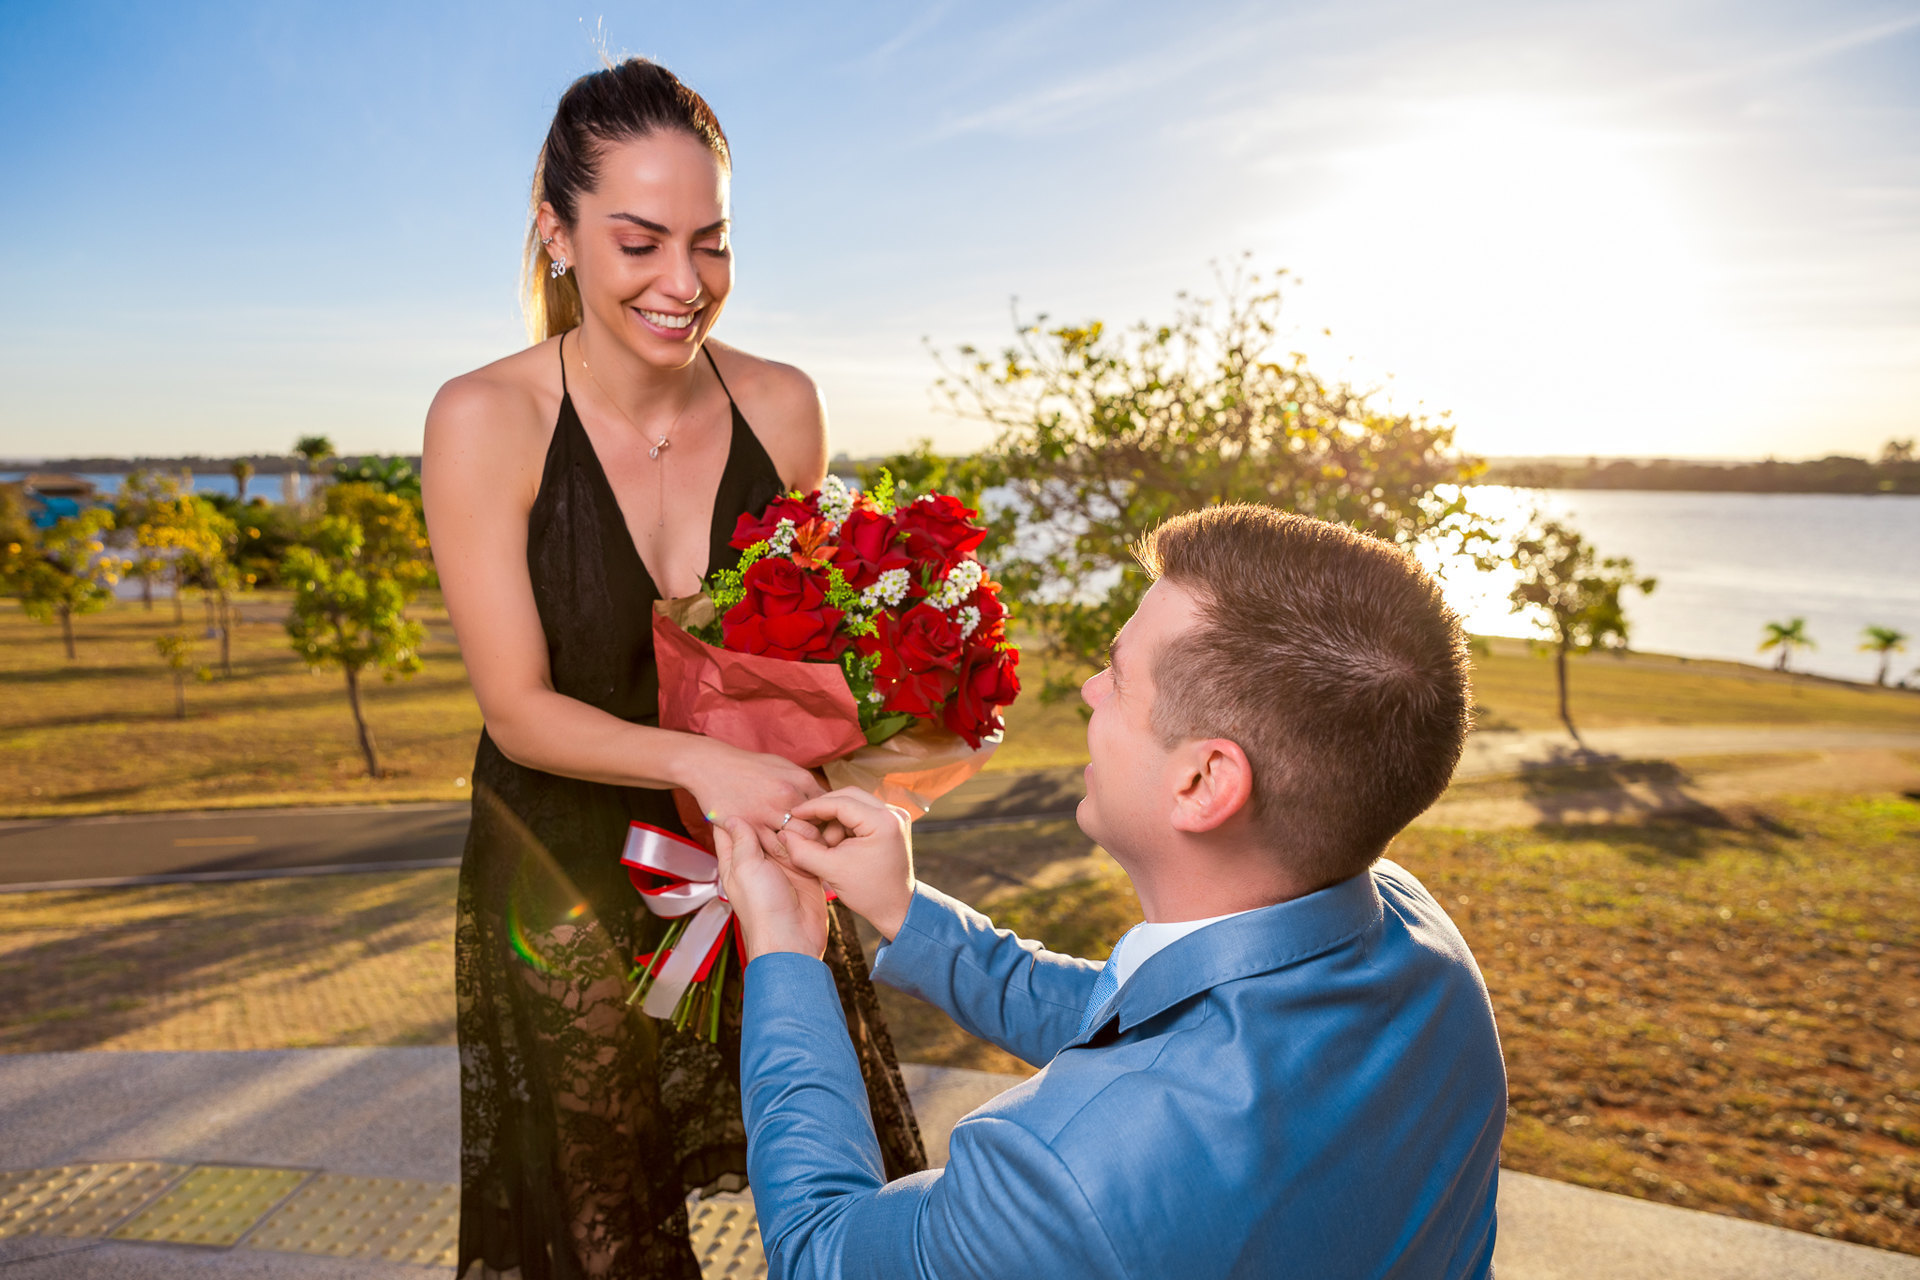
(1333, 662)
(635, 98)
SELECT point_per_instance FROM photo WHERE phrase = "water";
(271, 487)
(1728, 563)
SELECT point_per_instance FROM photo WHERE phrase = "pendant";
(654, 452)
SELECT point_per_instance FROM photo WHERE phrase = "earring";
(558, 269)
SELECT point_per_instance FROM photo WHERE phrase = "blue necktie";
(1103, 987)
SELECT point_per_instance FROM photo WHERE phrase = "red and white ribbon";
(676, 877)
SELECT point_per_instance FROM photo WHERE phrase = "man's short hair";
(1331, 659)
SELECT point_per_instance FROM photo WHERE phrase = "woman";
(568, 487)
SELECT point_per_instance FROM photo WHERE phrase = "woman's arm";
(480, 473)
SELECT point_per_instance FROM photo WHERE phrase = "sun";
(1534, 274)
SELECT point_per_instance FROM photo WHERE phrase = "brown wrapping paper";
(911, 769)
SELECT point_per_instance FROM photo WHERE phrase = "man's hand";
(870, 867)
(780, 909)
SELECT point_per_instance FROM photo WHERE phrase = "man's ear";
(1217, 783)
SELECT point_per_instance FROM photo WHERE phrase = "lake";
(1728, 563)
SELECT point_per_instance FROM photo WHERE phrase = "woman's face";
(651, 250)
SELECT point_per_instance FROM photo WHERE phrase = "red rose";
(784, 615)
(918, 653)
(987, 683)
(939, 528)
(869, 547)
(751, 529)
(986, 598)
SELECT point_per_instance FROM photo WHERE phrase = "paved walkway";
(248, 843)
(340, 1163)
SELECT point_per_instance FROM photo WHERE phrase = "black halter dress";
(585, 1124)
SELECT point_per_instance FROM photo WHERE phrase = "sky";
(1634, 227)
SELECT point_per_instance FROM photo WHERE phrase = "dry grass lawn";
(99, 735)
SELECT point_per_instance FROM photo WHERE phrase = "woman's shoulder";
(498, 418)
(784, 407)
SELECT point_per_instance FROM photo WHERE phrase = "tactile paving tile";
(78, 1199)
(368, 1218)
(726, 1240)
(212, 1205)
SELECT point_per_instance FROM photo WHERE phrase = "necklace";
(659, 447)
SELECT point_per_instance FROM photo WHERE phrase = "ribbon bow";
(691, 886)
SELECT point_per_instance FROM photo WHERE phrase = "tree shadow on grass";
(93, 984)
(1670, 839)
(1575, 786)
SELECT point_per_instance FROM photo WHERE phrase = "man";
(1289, 1069)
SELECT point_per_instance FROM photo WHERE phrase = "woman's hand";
(779, 909)
(728, 783)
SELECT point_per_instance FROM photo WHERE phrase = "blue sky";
(1625, 227)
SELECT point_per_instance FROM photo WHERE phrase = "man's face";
(1130, 782)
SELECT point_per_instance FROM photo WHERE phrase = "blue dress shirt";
(1311, 1089)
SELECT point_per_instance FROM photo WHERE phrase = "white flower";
(890, 590)
(968, 620)
(961, 581)
(781, 543)
(836, 502)
(876, 696)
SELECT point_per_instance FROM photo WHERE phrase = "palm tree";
(1886, 642)
(316, 450)
(242, 471)
(1786, 637)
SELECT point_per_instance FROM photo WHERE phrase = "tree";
(349, 607)
(1895, 451)
(312, 450)
(134, 509)
(17, 534)
(176, 650)
(1886, 642)
(1102, 435)
(1786, 637)
(1573, 593)
(65, 572)
(242, 471)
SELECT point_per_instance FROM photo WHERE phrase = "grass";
(98, 735)
(1720, 1017)
(1724, 1019)
(1514, 689)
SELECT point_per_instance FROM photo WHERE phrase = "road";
(253, 843)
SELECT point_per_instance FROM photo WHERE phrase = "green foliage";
(1885, 641)
(1103, 435)
(176, 650)
(63, 571)
(315, 449)
(17, 534)
(728, 587)
(392, 530)
(392, 475)
(349, 609)
(1572, 592)
(1785, 637)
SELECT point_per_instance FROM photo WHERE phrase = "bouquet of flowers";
(858, 634)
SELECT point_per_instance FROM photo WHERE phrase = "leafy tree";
(1895, 451)
(1573, 593)
(349, 606)
(17, 534)
(1103, 434)
(64, 571)
(1886, 642)
(207, 540)
(176, 650)
(312, 451)
(242, 471)
(1786, 637)
(389, 475)
(134, 508)
(394, 536)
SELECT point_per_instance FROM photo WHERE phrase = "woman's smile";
(668, 324)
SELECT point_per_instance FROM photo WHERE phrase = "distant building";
(52, 496)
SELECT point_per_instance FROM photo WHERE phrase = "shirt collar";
(1246, 944)
(1144, 941)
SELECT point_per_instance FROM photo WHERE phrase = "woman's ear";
(553, 233)
(1218, 785)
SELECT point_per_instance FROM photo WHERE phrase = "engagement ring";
(785, 818)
